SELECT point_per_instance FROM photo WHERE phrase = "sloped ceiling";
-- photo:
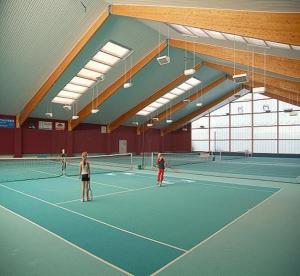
(35, 37)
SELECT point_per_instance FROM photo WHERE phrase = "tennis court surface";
(132, 226)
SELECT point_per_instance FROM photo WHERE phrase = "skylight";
(85, 73)
(255, 41)
(75, 88)
(82, 81)
(106, 58)
(62, 100)
(109, 55)
(236, 38)
(197, 32)
(278, 45)
(174, 93)
(97, 66)
(192, 31)
(182, 29)
(67, 94)
(116, 50)
(216, 35)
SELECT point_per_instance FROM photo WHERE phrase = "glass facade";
(253, 123)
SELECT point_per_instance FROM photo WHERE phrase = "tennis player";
(160, 164)
(85, 176)
(63, 161)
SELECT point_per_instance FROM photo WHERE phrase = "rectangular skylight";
(236, 38)
(177, 91)
(143, 113)
(85, 73)
(62, 100)
(197, 32)
(106, 58)
(294, 47)
(214, 34)
(184, 86)
(115, 50)
(96, 66)
(75, 88)
(156, 104)
(67, 94)
(278, 45)
(255, 41)
(149, 108)
(82, 81)
(162, 100)
(193, 81)
(181, 29)
(170, 96)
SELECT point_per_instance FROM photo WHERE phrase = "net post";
(131, 160)
(152, 159)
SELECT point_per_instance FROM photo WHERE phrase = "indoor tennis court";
(149, 138)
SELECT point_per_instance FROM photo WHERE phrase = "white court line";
(104, 195)
(96, 182)
(216, 233)
(68, 242)
(95, 220)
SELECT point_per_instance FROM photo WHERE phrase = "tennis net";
(101, 163)
(174, 159)
(234, 155)
(20, 169)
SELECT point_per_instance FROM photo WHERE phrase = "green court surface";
(192, 225)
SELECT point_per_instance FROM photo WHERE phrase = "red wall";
(88, 137)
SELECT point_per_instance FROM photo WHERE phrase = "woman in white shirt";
(85, 176)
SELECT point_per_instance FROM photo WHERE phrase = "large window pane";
(202, 122)
(241, 107)
(264, 106)
(265, 132)
(289, 146)
(220, 121)
(221, 111)
(285, 118)
(241, 133)
(289, 132)
(245, 98)
(241, 145)
(265, 146)
(265, 119)
(241, 120)
(257, 96)
(283, 106)
(218, 145)
(200, 134)
(200, 146)
(219, 133)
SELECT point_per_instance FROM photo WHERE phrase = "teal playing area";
(135, 227)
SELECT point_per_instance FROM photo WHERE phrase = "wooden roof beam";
(272, 26)
(159, 93)
(275, 64)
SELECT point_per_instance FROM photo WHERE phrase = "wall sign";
(60, 126)
(7, 123)
(45, 125)
(103, 129)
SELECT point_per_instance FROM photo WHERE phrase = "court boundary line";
(214, 234)
(95, 220)
(66, 241)
(109, 194)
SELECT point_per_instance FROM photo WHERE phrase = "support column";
(18, 142)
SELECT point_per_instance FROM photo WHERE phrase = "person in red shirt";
(160, 164)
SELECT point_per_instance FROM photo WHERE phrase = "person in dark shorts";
(160, 164)
(85, 176)
(63, 161)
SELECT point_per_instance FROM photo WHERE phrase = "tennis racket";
(90, 191)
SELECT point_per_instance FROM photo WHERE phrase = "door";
(122, 146)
